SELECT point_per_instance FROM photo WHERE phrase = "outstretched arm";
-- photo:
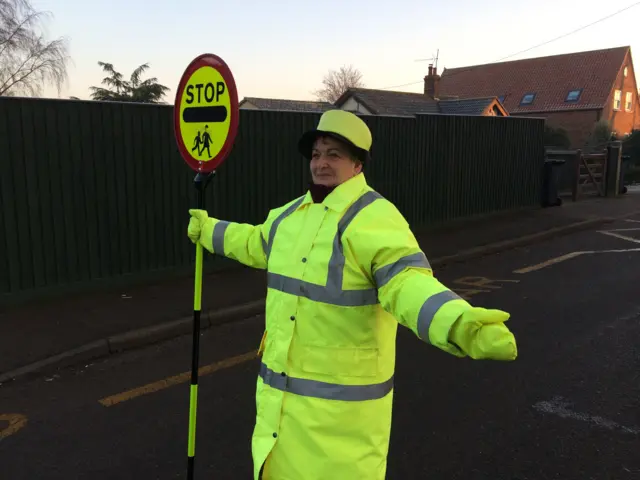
(408, 290)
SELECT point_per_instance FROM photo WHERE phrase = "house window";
(617, 99)
(573, 95)
(527, 99)
(501, 98)
(625, 71)
(628, 101)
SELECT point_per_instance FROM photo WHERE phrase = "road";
(568, 408)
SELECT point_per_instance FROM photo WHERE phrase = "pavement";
(567, 408)
(42, 336)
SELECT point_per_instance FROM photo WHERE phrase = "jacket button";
(275, 434)
(283, 374)
(292, 317)
(304, 260)
(326, 208)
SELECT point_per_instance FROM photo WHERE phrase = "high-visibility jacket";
(341, 275)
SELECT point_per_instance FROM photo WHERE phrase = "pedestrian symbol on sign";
(205, 141)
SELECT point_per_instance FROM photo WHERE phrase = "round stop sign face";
(206, 113)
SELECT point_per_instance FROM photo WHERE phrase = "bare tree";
(28, 60)
(335, 83)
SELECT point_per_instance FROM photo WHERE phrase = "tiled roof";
(550, 78)
(289, 105)
(470, 106)
(385, 102)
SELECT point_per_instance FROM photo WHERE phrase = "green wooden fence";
(93, 192)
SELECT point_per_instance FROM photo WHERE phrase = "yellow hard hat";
(341, 125)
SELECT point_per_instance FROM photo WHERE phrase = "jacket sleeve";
(401, 272)
(245, 243)
(238, 241)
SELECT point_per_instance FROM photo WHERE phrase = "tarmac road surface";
(568, 408)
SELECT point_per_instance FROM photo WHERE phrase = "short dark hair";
(355, 154)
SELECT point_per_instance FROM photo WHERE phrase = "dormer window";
(501, 98)
(573, 95)
(527, 99)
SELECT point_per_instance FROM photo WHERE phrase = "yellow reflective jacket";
(341, 275)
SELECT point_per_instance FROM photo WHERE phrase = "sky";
(282, 49)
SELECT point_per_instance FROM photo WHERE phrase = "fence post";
(576, 172)
(614, 157)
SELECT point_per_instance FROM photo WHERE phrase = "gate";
(583, 174)
(591, 175)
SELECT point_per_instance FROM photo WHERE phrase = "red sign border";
(207, 60)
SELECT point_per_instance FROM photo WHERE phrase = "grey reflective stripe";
(336, 263)
(326, 391)
(359, 205)
(276, 223)
(332, 293)
(430, 308)
(385, 274)
(264, 244)
(320, 293)
(218, 237)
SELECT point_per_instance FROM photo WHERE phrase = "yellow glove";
(200, 228)
(481, 334)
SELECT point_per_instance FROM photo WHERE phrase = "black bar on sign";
(204, 114)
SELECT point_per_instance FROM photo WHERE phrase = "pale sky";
(282, 49)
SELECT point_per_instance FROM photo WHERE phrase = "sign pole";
(206, 118)
(200, 181)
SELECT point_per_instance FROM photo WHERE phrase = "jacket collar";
(344, 194)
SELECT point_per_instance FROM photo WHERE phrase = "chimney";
(431, 83)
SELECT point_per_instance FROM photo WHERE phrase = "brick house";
(572, 91)
(385, 102)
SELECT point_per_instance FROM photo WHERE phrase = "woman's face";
(331, 163)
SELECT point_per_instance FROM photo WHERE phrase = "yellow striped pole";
(201, 180)
(206, 101)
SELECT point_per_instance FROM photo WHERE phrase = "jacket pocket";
(342, 361)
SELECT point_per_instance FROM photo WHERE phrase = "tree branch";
(27, 60)
(48, 67)
(335, 83)
(18, 31)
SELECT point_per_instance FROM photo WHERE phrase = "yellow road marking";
(176, 379)
(16, 422)
(551, 261)
(483, 285)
